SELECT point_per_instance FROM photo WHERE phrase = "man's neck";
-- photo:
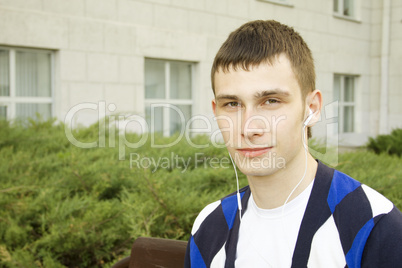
(273, 190)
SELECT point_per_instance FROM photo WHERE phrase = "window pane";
(348, 7)
(337, 87)
(336, 6)
(33, 74)
(4, 73)
(349, 89)
(348, 119)
(180, 80)
(29, 110)
(154, 79)
(3, 112)
(176, 118)
(154, 118)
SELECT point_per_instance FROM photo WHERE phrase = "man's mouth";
(253, 152)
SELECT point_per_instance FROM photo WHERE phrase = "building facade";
(149, 60)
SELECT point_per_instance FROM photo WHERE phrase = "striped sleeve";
(384, 245)
(362, 228)
(211, 230)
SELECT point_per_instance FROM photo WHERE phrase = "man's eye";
(233, 104)
(271, 101)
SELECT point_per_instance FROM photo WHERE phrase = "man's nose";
(253, 124)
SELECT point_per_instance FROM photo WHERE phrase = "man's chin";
(261, 166)
(259, 172)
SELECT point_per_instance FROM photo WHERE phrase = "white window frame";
(342, 103)
(11, 101)
(167, 99)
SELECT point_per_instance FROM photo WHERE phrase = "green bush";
(390, 144)
(64, 206)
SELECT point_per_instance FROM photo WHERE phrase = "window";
(344, 92)
(344, 8)
(168, 95)
(25, 83)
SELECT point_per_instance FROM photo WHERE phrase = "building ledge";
(348, 18)
(278, 2)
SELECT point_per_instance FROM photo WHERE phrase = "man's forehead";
(259, 82)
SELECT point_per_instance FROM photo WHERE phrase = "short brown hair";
(261, 41)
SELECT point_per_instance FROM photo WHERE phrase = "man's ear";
(315, 104)
(214, 106)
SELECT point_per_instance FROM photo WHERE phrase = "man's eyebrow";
(271, 92)
(258, 95)
(226, 96)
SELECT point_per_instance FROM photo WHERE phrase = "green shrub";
(64, 206)
(390, 144)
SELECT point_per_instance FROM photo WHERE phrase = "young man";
(296, 212)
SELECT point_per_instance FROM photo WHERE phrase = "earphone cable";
(286, 201)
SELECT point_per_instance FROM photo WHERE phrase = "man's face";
(260, 114)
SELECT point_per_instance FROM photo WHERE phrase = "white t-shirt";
(267, 237)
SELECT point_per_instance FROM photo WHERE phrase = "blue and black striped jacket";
(346, 224)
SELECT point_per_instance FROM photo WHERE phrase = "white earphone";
(238, 190)
(239, 205)
(309, 117)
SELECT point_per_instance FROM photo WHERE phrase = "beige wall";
(101, 45)
(395, 66)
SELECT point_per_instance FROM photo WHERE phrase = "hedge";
(65, 206)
